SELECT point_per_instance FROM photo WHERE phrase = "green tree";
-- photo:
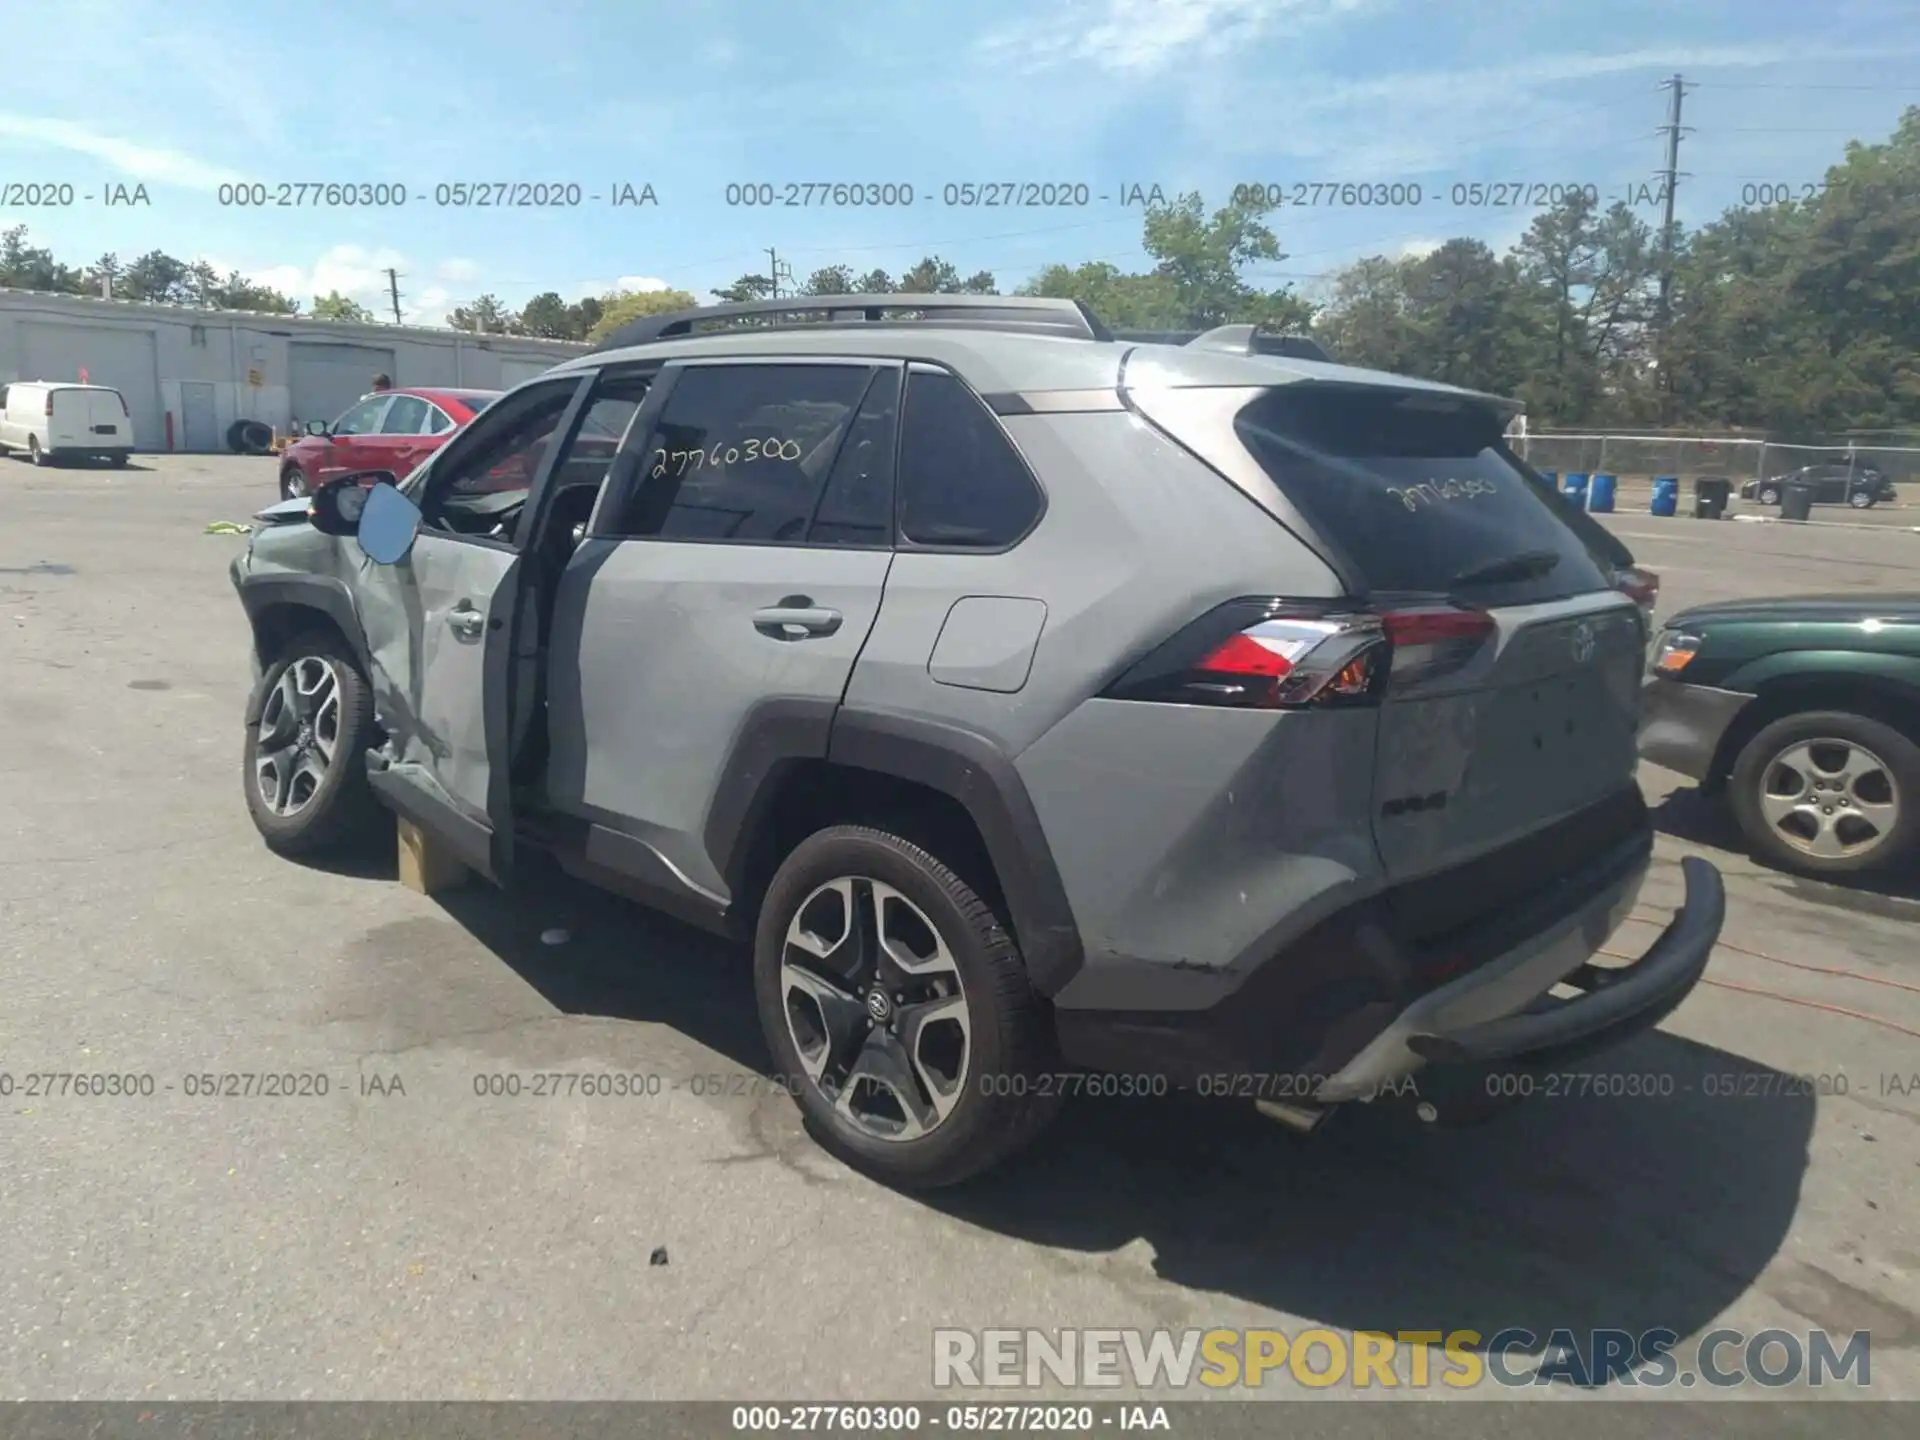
(829, 280)
(618, 309)
(1124, 301)
(159, 277)
(335, 306)
(747, 287)
(236, 292)
(934, 276)
(1371, 319)
(549, 317)
(28, 267)
(1203, 256)
(482, 316)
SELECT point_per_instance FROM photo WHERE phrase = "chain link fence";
(1638, 459)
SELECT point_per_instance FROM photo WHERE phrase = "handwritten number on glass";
(679, 462)
(1432, 492)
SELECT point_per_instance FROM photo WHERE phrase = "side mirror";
(338, 505)
(316, 427)
(389, 521)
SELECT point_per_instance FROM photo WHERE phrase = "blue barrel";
(1666, 494)
(1600, 493)
(1574, 487)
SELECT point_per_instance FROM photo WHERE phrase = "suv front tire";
(305, 757)
(899, 1010)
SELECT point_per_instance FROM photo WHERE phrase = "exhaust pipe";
(1301, 1119)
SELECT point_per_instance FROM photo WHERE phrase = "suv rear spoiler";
(1232, 340)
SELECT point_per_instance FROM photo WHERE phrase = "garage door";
(513, 371)
(323, 380)
(109, 355)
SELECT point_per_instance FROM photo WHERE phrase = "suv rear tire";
(1797, 780)
(872, 958)
(310, 743)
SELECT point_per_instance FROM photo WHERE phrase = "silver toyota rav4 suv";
(1033, 702)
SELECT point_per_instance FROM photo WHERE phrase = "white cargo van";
(50, 421)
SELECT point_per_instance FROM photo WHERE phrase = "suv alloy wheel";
(897, 1007)
(1827, 793)
(305, 757)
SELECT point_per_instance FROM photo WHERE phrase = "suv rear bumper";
(1471, 1022)
(1343, 1012)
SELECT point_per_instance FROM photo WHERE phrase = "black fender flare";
(963, 765)
(321, 593)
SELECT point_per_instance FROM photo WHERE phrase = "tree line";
(1800, 317)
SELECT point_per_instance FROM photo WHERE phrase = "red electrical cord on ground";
(1880, 1020)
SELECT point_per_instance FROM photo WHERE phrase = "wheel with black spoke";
(898, 1006)
(305, 754)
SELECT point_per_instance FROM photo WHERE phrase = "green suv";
(1806, 711)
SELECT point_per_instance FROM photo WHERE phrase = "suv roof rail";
(1031, 315)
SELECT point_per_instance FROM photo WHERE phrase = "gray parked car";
(1034, 703)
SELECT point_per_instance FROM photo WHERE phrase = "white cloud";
(1417, 249)
(142, 162)
(359, 274)
(1138, 37)
(458, 270)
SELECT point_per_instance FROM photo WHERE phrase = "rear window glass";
(1420, 499)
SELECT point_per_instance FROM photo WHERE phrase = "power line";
(1744, 85)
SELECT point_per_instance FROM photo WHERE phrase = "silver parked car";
(1028, 699)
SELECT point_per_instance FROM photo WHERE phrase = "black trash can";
(1710, 496)
(1796, 500)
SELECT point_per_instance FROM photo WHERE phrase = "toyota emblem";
(1582, 643)
(878, 1006)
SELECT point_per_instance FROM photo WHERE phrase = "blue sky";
(689, 97)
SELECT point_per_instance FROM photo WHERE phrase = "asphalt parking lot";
(411, 1240)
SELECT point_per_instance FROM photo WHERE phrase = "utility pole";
(773, 273)
(393, 289)
(1670, 181)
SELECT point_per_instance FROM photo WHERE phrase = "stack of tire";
(250, 437)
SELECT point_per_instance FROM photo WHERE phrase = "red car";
(394, 430)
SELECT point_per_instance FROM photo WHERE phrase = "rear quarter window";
(1419, 498)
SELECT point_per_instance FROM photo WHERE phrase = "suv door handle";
(465, 620)
(796, 618)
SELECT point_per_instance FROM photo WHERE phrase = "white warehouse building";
(188, 375)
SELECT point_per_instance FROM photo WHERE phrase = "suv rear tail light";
(1432, 641)
(1289, 655)
(49, 402)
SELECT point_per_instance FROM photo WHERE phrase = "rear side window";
(407, 415)
(1420, 498)
(742, 453)
(962, 484)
